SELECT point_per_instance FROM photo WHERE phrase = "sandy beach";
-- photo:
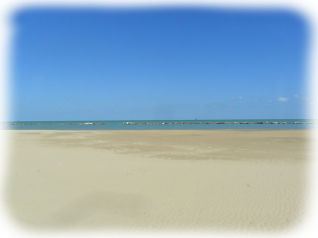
(244, 180)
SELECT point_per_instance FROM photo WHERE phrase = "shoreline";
(162, 123)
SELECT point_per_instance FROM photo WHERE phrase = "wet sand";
(237, 180)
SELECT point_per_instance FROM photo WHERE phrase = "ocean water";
(161, 125)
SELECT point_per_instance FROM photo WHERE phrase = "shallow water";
(160, 125)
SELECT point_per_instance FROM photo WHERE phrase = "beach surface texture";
(247, 180)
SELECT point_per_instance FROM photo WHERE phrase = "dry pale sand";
(157, 180)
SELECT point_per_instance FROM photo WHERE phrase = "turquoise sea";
(265, 124)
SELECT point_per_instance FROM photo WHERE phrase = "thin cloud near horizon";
(282, 99)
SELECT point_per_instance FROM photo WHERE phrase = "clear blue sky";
(93, 64)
